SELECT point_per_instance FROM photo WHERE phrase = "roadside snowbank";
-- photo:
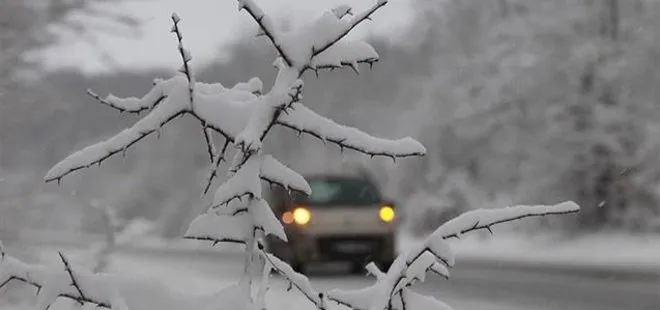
(616, 251)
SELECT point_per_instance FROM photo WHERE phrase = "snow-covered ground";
(604, 250)
(615, 251)
(188, 271)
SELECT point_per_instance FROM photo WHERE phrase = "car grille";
(350, 246)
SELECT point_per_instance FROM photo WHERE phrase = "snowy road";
(470, 288)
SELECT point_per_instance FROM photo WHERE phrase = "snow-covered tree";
(243, 115)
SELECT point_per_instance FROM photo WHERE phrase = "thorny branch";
(316, 299)
(81, 299)
(267, 27)
(366, 15)
(74, 282)
(134, 140)
(185, 57)
(473, 227)
(258, 15)
(215, 240)
(219, 158)
(135, 110)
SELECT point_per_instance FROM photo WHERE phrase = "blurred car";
(345, 219)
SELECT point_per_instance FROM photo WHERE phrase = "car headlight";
(301, 216)
(386, 214)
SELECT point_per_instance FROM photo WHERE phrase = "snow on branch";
(332, 34)
(244, 182)
(102, 290)
(306, 47)
(267, 27)
(434, 255)
(297, 280)
(95, 154)
(235, 223)
(365, 298)
(304, 120)
(220, 228)
(274, 172)
(132, 104)
(166, 100)
(345, 53)
(268, 107)
(218, 159)
(186, 70)
(486, 218)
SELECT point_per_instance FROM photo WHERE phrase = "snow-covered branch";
(217, 160)
(131, 105)
(244, 115)
(297, 280)
(434, 255)
(486, 218)
(304, 120)
(334, 34)
(267, 27)
(103, 290)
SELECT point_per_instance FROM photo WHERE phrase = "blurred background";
(517, 101)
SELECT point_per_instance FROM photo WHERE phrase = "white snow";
(138, 293)
(245, 182)
(243, 116)
(483, 218)
(139, 51)
(174, 104)
(301, 118)
(276, 172)
(220, 227)
(345, 52)
(264, 218)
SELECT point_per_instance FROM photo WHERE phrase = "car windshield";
(342, 191)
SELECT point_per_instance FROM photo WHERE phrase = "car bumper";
(322, 248)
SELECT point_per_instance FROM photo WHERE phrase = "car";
(345, 218)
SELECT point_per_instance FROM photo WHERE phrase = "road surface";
(472, 286)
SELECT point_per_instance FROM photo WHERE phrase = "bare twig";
(215, 240)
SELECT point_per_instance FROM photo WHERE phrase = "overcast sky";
(206, 24)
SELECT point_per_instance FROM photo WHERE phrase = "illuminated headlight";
(386, 214)
(301, 216)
